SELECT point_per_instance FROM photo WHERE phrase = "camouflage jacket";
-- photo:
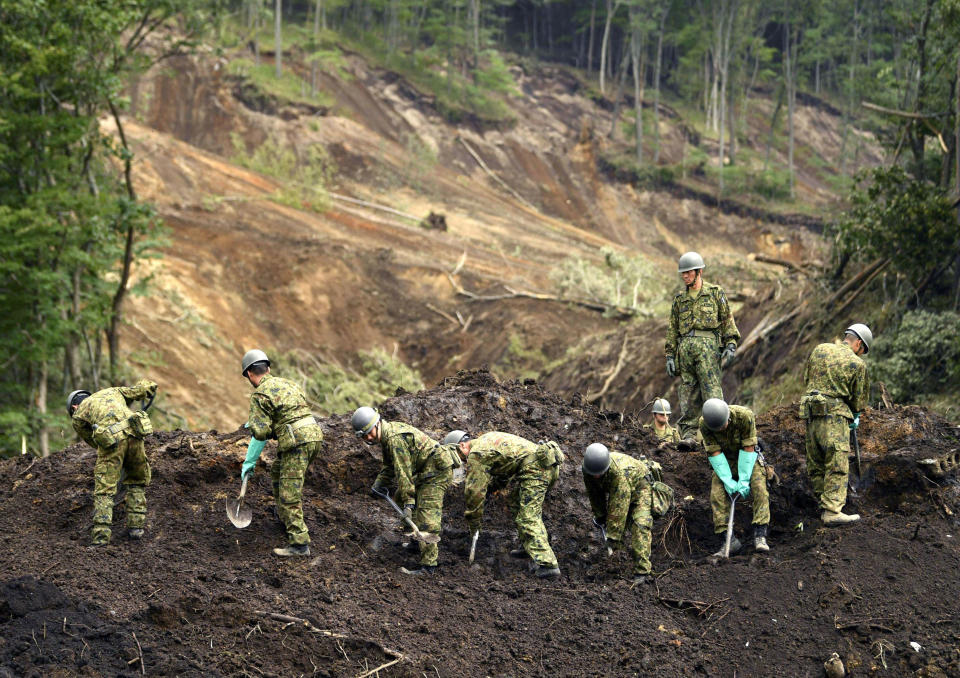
(741, 432)
(666, 434)
(411, 456)
(612, 493)
(108, 407)
(704, 310)
(278, 409)
(494, 458)
(835, 371)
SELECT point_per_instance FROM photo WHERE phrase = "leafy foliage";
(305, 177)
(619, 280)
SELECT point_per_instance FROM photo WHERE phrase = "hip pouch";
(302, 431)
(549, 454)
(813, 405)
(662, 498)
(140, 424)
(108, 436)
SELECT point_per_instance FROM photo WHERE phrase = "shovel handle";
(408, 521)
(856, 447)
(473, 545)
(243, 488)
(726, 546)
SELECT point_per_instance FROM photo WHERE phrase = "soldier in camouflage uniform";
(661, 423)
(836, 394)
(700, 323)
(730, 437)
(105, 422)
(619, 490)
(278, 409)
(421, 469)
(496, 459)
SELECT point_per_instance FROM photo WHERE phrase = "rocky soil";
(198, 597)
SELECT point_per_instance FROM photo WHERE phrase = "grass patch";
(617, 280)
(304, 175)
(266, 87)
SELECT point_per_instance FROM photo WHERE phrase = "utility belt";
(298, 436)
(549, 454)
(108, 436)
(706, 334)
(816, 404)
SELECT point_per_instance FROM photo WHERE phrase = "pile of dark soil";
(197, 597)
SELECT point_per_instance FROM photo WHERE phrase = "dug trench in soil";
(197, 597)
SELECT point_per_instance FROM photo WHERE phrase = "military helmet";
(455, 437)
(363, 420)
(863, 333)
(715, 414)
(75, 394)
(596, 459)
(689, 262)
(661, 406)
(251, 358)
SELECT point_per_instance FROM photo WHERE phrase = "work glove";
(727, 356)
(599, 523)
(408, 511)
(377, 490)
(722, 468)
(614, 544)
(745, 464)
(671, 366)
(855, 424)
(473, 526)
(254, 448)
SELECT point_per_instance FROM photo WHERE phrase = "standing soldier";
(700, 323)
(619, 490)
(728, 431)
(278, 409)
(836, 394)
(421, 468)
(501, 458)
(104, 421)
(661, 422)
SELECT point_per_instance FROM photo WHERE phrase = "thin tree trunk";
(791, 84)
(41, 404)
(593, 16)
(851, 85)
(475, 28)
(612, 7)
(956, 142)
(636, 54)
(656, 84)
(618, 99)
(278, 37)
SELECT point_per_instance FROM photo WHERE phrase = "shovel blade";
(426, 537)
(239, 515)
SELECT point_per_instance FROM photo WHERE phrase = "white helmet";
(661, 406)
(863, 333)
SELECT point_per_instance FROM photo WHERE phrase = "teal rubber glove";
(253, 453)
(745, 464)
(855, 424)
(722, 468)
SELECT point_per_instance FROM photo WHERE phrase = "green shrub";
(920, 358)
(618, 280)
(304, 177)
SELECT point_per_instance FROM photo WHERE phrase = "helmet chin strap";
(696, 275)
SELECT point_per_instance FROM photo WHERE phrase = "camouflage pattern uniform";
(423, 470)
(102, 421)
(501, 458)
(701, 324)
(622, 497)
(741, 432)
(278, 409)
(838, 374)
(667, 434)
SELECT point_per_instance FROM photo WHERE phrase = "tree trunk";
(593, 16)
(636, 54)
(278, 37)
(475, 37)
(612, 7)
(41, 404)
(919, 138)
(956, 141)
(851, 85)
(656, 84)
(618, 98)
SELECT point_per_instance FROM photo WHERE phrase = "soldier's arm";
(618, 506)
(597, 497)
(859, 390)
(670, 348)
(139, 391)
(748, 438)
(261, 426)
(475, 492)
(402, 448)
(386, 477)
(84, 430)
(728, 327)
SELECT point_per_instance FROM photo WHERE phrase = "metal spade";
(425, 537)
(733, 505)
(239, 514)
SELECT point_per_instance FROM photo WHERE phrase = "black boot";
(419, 571)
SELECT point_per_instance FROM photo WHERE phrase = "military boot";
(546, 571)
(687, 444)
(760, 538)
(642, 579)
(735, 546)
(420, 571)
(834, 518)
(519, 553)
(293, 550)
(135, 533)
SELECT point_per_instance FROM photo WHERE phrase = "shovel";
(473, 545)
(726, 545)
(239, 514)
(425, 537)
(603, 535)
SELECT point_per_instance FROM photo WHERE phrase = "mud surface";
(195, 596)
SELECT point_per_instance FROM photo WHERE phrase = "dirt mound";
(206, 599)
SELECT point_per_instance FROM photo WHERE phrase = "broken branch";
(493, 176)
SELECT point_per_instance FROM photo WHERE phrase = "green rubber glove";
(722, 468)
(745, 464)
(855, 424)
(253, 453)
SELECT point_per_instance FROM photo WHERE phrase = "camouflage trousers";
(699, 369)
(720, 500)
(640, 522)
(530, 487)
(126, 458)
(428, 513)
(828, 464)
(288, 473)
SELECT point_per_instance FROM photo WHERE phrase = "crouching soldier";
(532, 469)
(730, 437)
(105, 422)
(422, 470)
(661, 422)
(278, 409)
(619, 490)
